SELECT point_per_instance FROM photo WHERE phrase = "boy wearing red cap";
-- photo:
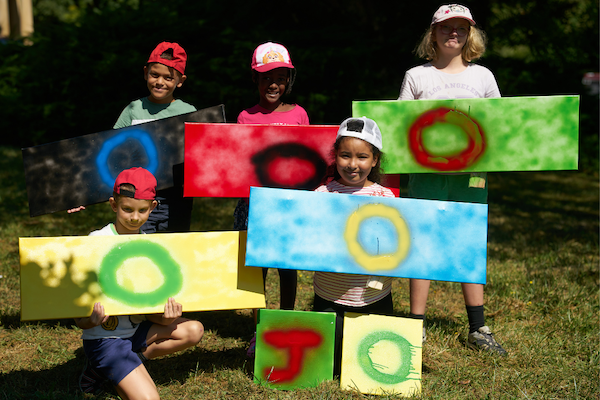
(164, 72)
(116, 346)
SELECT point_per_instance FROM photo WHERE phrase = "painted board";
(82, 170)
(483, 135)
(400, 237)
(381, 355)
(294, 349)
(62, 277)
(224, 160)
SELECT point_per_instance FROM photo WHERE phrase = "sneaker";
(424, 335)
(90, 381)
(252, 348)
(483, 339)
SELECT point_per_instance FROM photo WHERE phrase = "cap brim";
(273, 65)
(452, 17)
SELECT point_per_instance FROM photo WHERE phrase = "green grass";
(542, 301)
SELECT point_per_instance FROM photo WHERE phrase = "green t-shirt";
(143, 110)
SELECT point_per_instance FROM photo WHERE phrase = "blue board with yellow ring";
(380, 236)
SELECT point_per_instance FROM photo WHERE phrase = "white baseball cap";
(361, 128)
(452, 11)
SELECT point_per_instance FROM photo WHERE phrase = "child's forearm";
(85, 323)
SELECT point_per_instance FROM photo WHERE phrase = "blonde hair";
(472, 50)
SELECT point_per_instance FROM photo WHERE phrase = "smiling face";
(162, 81)
(354, 161)
(271, 87)
(131, 213)
(451, 35)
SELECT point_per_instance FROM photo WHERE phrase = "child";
(274, 75)
(115, 346)
(450, 44)
(356, 170)
(164, 72)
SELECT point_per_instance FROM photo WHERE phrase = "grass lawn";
(542, 302)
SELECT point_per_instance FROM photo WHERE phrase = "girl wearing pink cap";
(274, 74)
(450, 44)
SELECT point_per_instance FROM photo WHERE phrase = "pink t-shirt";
(260, 115)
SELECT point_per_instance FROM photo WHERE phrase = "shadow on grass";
(61, 381)
(534, 210)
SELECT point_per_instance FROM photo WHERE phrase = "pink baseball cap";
(452, 11)
(142, 180)
(269, 56)
(178, 56)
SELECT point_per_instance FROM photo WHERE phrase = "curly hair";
(472, 50)
(332, 172)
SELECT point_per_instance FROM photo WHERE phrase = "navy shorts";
(115, 358)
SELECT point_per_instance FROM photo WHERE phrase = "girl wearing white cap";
(355, 170)
(450, 44)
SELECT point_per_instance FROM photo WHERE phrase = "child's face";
(354, 161)
(271, 86)
(162, 81)
(452, 41)
(131, 213)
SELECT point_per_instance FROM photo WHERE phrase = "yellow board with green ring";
(62, 277)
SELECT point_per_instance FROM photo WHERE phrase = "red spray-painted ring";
(457, 162)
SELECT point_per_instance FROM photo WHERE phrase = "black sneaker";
(483, 339)
(90, 381)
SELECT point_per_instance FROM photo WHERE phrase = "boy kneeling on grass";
(116, 346)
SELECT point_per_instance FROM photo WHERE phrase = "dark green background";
(85, 64)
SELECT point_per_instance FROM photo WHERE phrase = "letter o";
(262, 160)
(108, 146)
(107, 276)
(367, 365)
(383, 261)
(464, 159)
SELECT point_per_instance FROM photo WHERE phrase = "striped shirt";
(351, 289)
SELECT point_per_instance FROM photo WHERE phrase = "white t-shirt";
(427, 82)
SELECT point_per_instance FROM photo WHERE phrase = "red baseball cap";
(178, 56)
(142, 180)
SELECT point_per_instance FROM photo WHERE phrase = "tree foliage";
(87, 56)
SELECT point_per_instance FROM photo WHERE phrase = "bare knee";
(139, 396)
(195, 331)
(138, 385)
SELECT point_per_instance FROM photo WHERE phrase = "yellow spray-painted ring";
(380, 261)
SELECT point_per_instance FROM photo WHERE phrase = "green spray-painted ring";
(367, 365)
(107, 276)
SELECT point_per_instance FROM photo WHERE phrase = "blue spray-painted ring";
(142, 137)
